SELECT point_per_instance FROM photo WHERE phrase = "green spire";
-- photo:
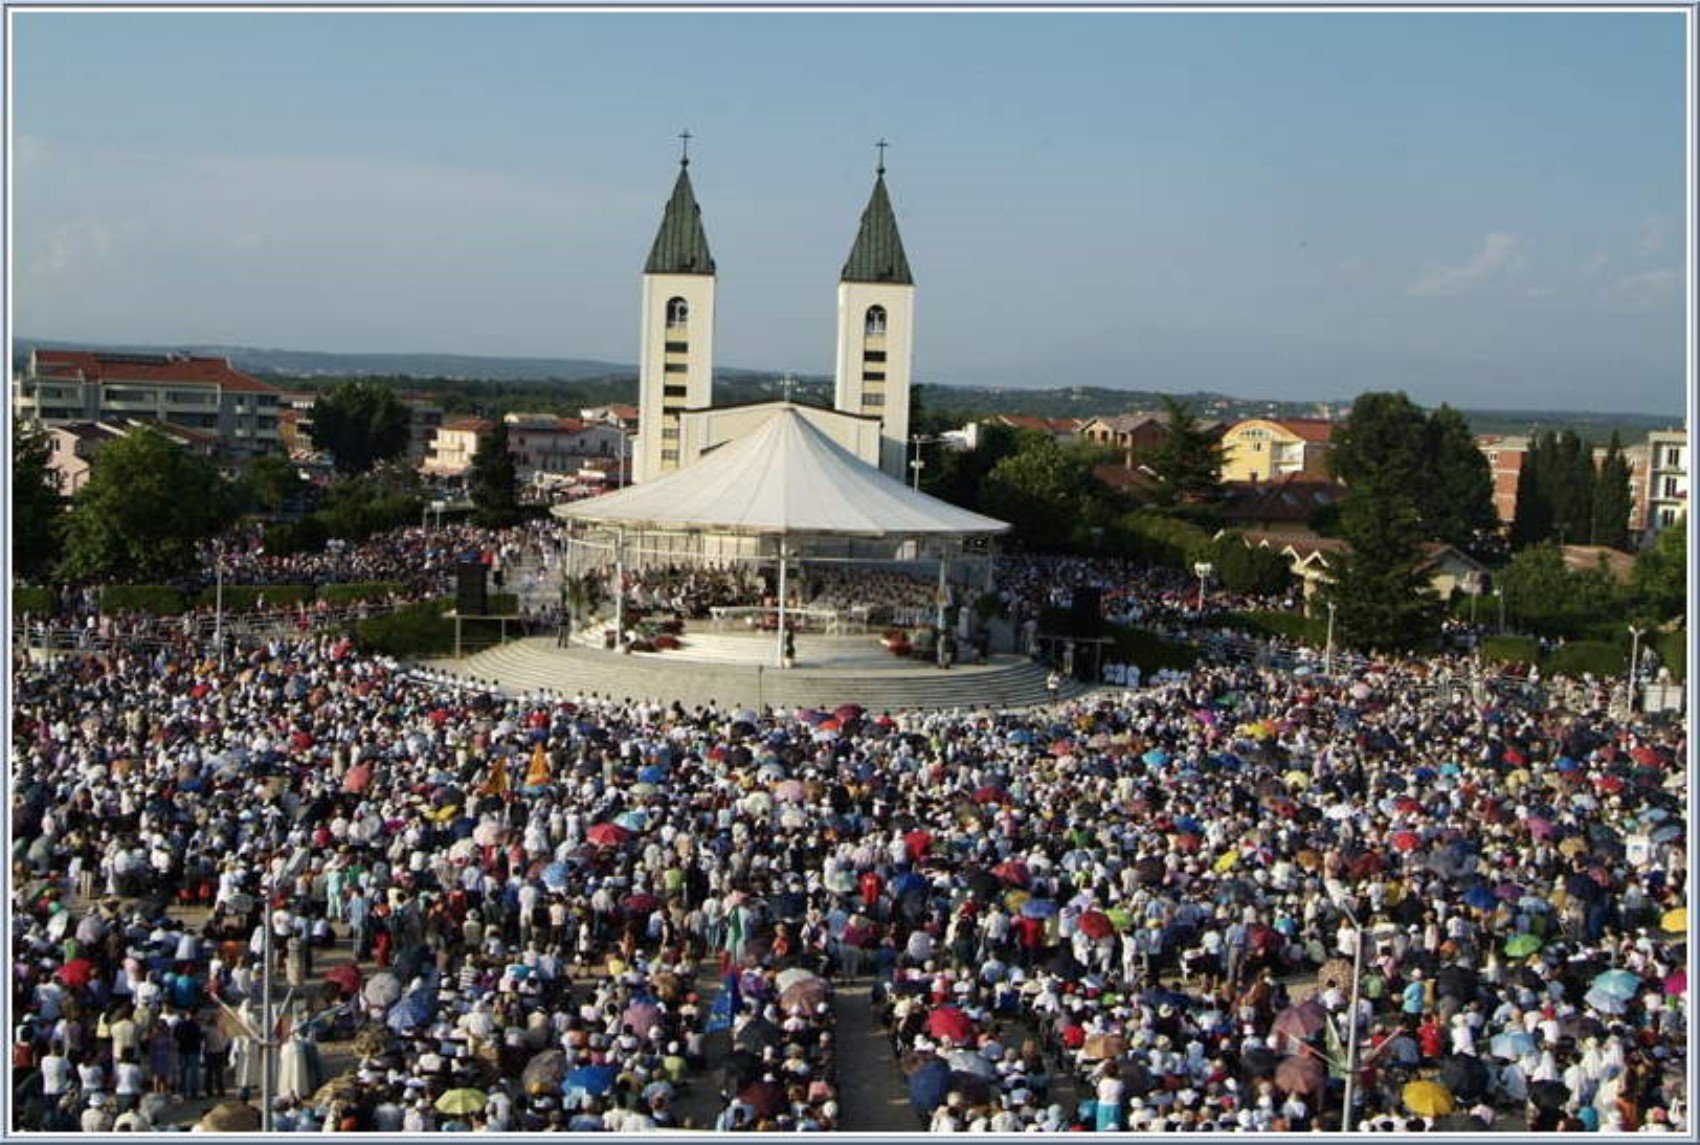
(681, 247)
(878, 253)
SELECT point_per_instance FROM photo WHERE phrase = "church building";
(678, 421)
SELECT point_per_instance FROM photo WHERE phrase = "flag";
(496, 779)
(537, 775)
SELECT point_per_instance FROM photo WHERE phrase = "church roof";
(785, 477)
(681, 247)
(878, 253)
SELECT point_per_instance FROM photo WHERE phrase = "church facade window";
(678, 313)
(874, 323)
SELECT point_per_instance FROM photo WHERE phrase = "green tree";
(1381, 444)
(1379, 587)
(1612, 499)
(1545, 596)
(492, 480)
(37, 504)
(1659, 584)
(959, 474)
(146, 504)
(386, 498)
(360, 423)
(1241, 567)
(1570, 489)
(1533, 522)
(1044, 492)
(1187, 462)
(1456, 500)
(271, 482)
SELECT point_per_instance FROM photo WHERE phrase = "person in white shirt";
(55, 1072)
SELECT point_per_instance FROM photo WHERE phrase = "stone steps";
(536, 664)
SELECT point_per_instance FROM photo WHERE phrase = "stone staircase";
(536, 664)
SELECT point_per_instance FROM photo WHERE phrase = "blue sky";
(1481, 208)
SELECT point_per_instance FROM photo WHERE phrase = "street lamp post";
(915, 467)
(1499, 595)
(218, 602)
(1635, 635)
(1203, 569)
(1349, 1098)
(1328, 654)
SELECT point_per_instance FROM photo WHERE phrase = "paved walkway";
(872, 1094)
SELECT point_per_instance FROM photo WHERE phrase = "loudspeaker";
(472, 593)
(1088, 611)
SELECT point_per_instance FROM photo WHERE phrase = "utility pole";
(1328, 655)
(1635, 635)
(268, 1053)
(218, 601)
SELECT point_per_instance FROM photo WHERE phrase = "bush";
(1510, 650)
(31, 599)
(419, 630)
(1596, 657)
(158, 599)
(1292, 626)
(352, 592)
(246, 597)
(1158, 540)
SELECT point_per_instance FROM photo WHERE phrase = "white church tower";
(876, 324)
(676, 361)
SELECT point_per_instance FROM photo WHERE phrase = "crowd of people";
(1138, 910)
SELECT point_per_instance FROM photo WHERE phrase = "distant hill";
(469, 381)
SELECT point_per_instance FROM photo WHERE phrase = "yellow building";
(1263, 449)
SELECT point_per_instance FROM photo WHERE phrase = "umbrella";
(1464, 1076)
(654, 773)
(460, 1102)
(607, 834)
(230, 1117)
(1604, 1002)
(1618, 983)
(1427, 1099)
(346, 978)
(1572, 846)
(544, 1073)
(488, 834)
(594, 1080)
(1481, 898)
(1038, 908)
(1511, 1045)
(1012, 872)
(1549, 1095)
(1675, 919)
(632, 820)
(341, 1086)
(414, 1009)
(359, 777)
(642, 1017)
(950, 1022)
(1301, 1073)
(802, 997)
(556, 875)
(1407, 840)
(1335, 974)
(765, 1098)
(928, 1086)
(917, 842)
(788, 791)
(382, 989)
(1522, 945)
(1676, 982)
(1301, 1021)
(1098, 1047)
(1095, 924)
(76, 973)
(640, 903)
(757, 1034)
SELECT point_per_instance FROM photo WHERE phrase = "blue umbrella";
(928, 1087)
(594, 1080)
(1039, 908)
(1022, 736)
(1511, 1045)
(1566, 764)
(1156, 757)
(1618, 983)
(632, 820)
(654, 773)
(1481, 898)
(556, 876)
(1423, 775)
(413, 1010)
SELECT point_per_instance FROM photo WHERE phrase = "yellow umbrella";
(459, 1102)
(1227, 862)
(1015, 900)
(616, 966)
(1427, 1099)
(1675, 919)
(446, 812)
(1517, 778)
(1297, 778)
(1572, 846)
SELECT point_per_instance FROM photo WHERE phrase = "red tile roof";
(1307, 428)
(97, 367)
(473, 424)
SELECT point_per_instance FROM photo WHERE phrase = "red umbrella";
(1301, 1021)
(607, 834)
(1676, 982)
(346, 978)
(359, 777)
(950, 1022)
(1365, 865)
(76, 973)
(917, 842)
(1012, 872)
(1645, 756)
(1301, 1073)
(1407, 805)
(1540, 828)
(848, 712)
(988, 795)
(1188, 842)
(640, 903)
(1095, 924)
(1610, 784)
(1407, 841)
(1515, 758)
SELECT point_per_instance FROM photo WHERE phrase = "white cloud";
(1500, 252)
(1645, 289)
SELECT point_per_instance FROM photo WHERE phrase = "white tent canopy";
(786, 478)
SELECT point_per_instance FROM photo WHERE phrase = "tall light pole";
(218, 601)
(1328, 654)
(1499, 595)
(1351, 1093)
(1203, 569)
(1635, 635)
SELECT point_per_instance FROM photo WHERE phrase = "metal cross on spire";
(882, 145)
(685, 148)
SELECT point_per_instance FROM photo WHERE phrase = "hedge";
(1151, 652)
(31, 599)
(1292, 626)
(158, 599)
(419, 630)
(1672, 648)
(1596, 657)
(1511, 650)
(358, 590)
(246, 597)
